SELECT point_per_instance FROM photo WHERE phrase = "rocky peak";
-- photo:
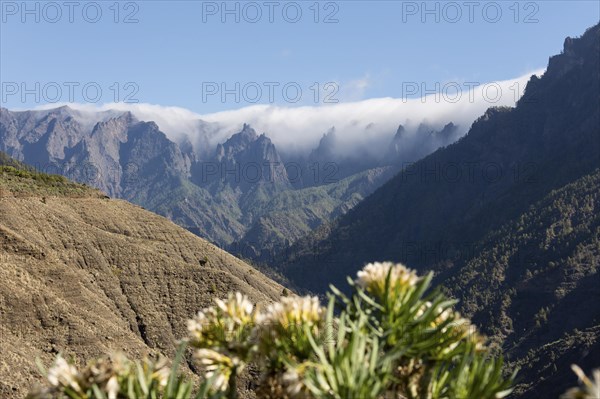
(575, 51)
(245, 151)
(64, 111)
(447, 133)
(248, 132)
(426, 138)
(238, 142)
(325, 151)
(153, 157)
(395, 147)
(114, 127)
(400, 133)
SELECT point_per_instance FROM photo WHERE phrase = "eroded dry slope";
(88, 275)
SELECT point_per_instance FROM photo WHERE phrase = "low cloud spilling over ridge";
(366, 125)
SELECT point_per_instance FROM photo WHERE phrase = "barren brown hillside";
(85, 275)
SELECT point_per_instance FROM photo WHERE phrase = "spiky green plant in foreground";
(393, 337)
(118, 377)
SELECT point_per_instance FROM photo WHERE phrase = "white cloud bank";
(359, 125)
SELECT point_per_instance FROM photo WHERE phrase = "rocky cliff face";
(407, 147)
(247, 159)
(40, 136)
(96, 158)
(117, 154)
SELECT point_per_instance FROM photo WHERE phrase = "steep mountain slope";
(533, 284)
(83, 274)
(511, 158)
(508, 219)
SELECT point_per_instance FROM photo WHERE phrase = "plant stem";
(232, 394)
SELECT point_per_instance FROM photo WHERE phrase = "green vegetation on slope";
(18, 179)
(282, 218)
(533, 284)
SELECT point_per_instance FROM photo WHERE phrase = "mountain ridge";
(471, 177)
(507, 219)
(223, 194)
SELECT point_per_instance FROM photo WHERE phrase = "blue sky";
(178, 51)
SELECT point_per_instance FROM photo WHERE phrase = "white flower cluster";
(441, 315)
(294, 383)
(216, 365)
(104, 374)
(281, 321)
(292, 311)
(237, 307)
(63, 374)
(230, 314)
(589, 389)
(372, 278)
(220, 335)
